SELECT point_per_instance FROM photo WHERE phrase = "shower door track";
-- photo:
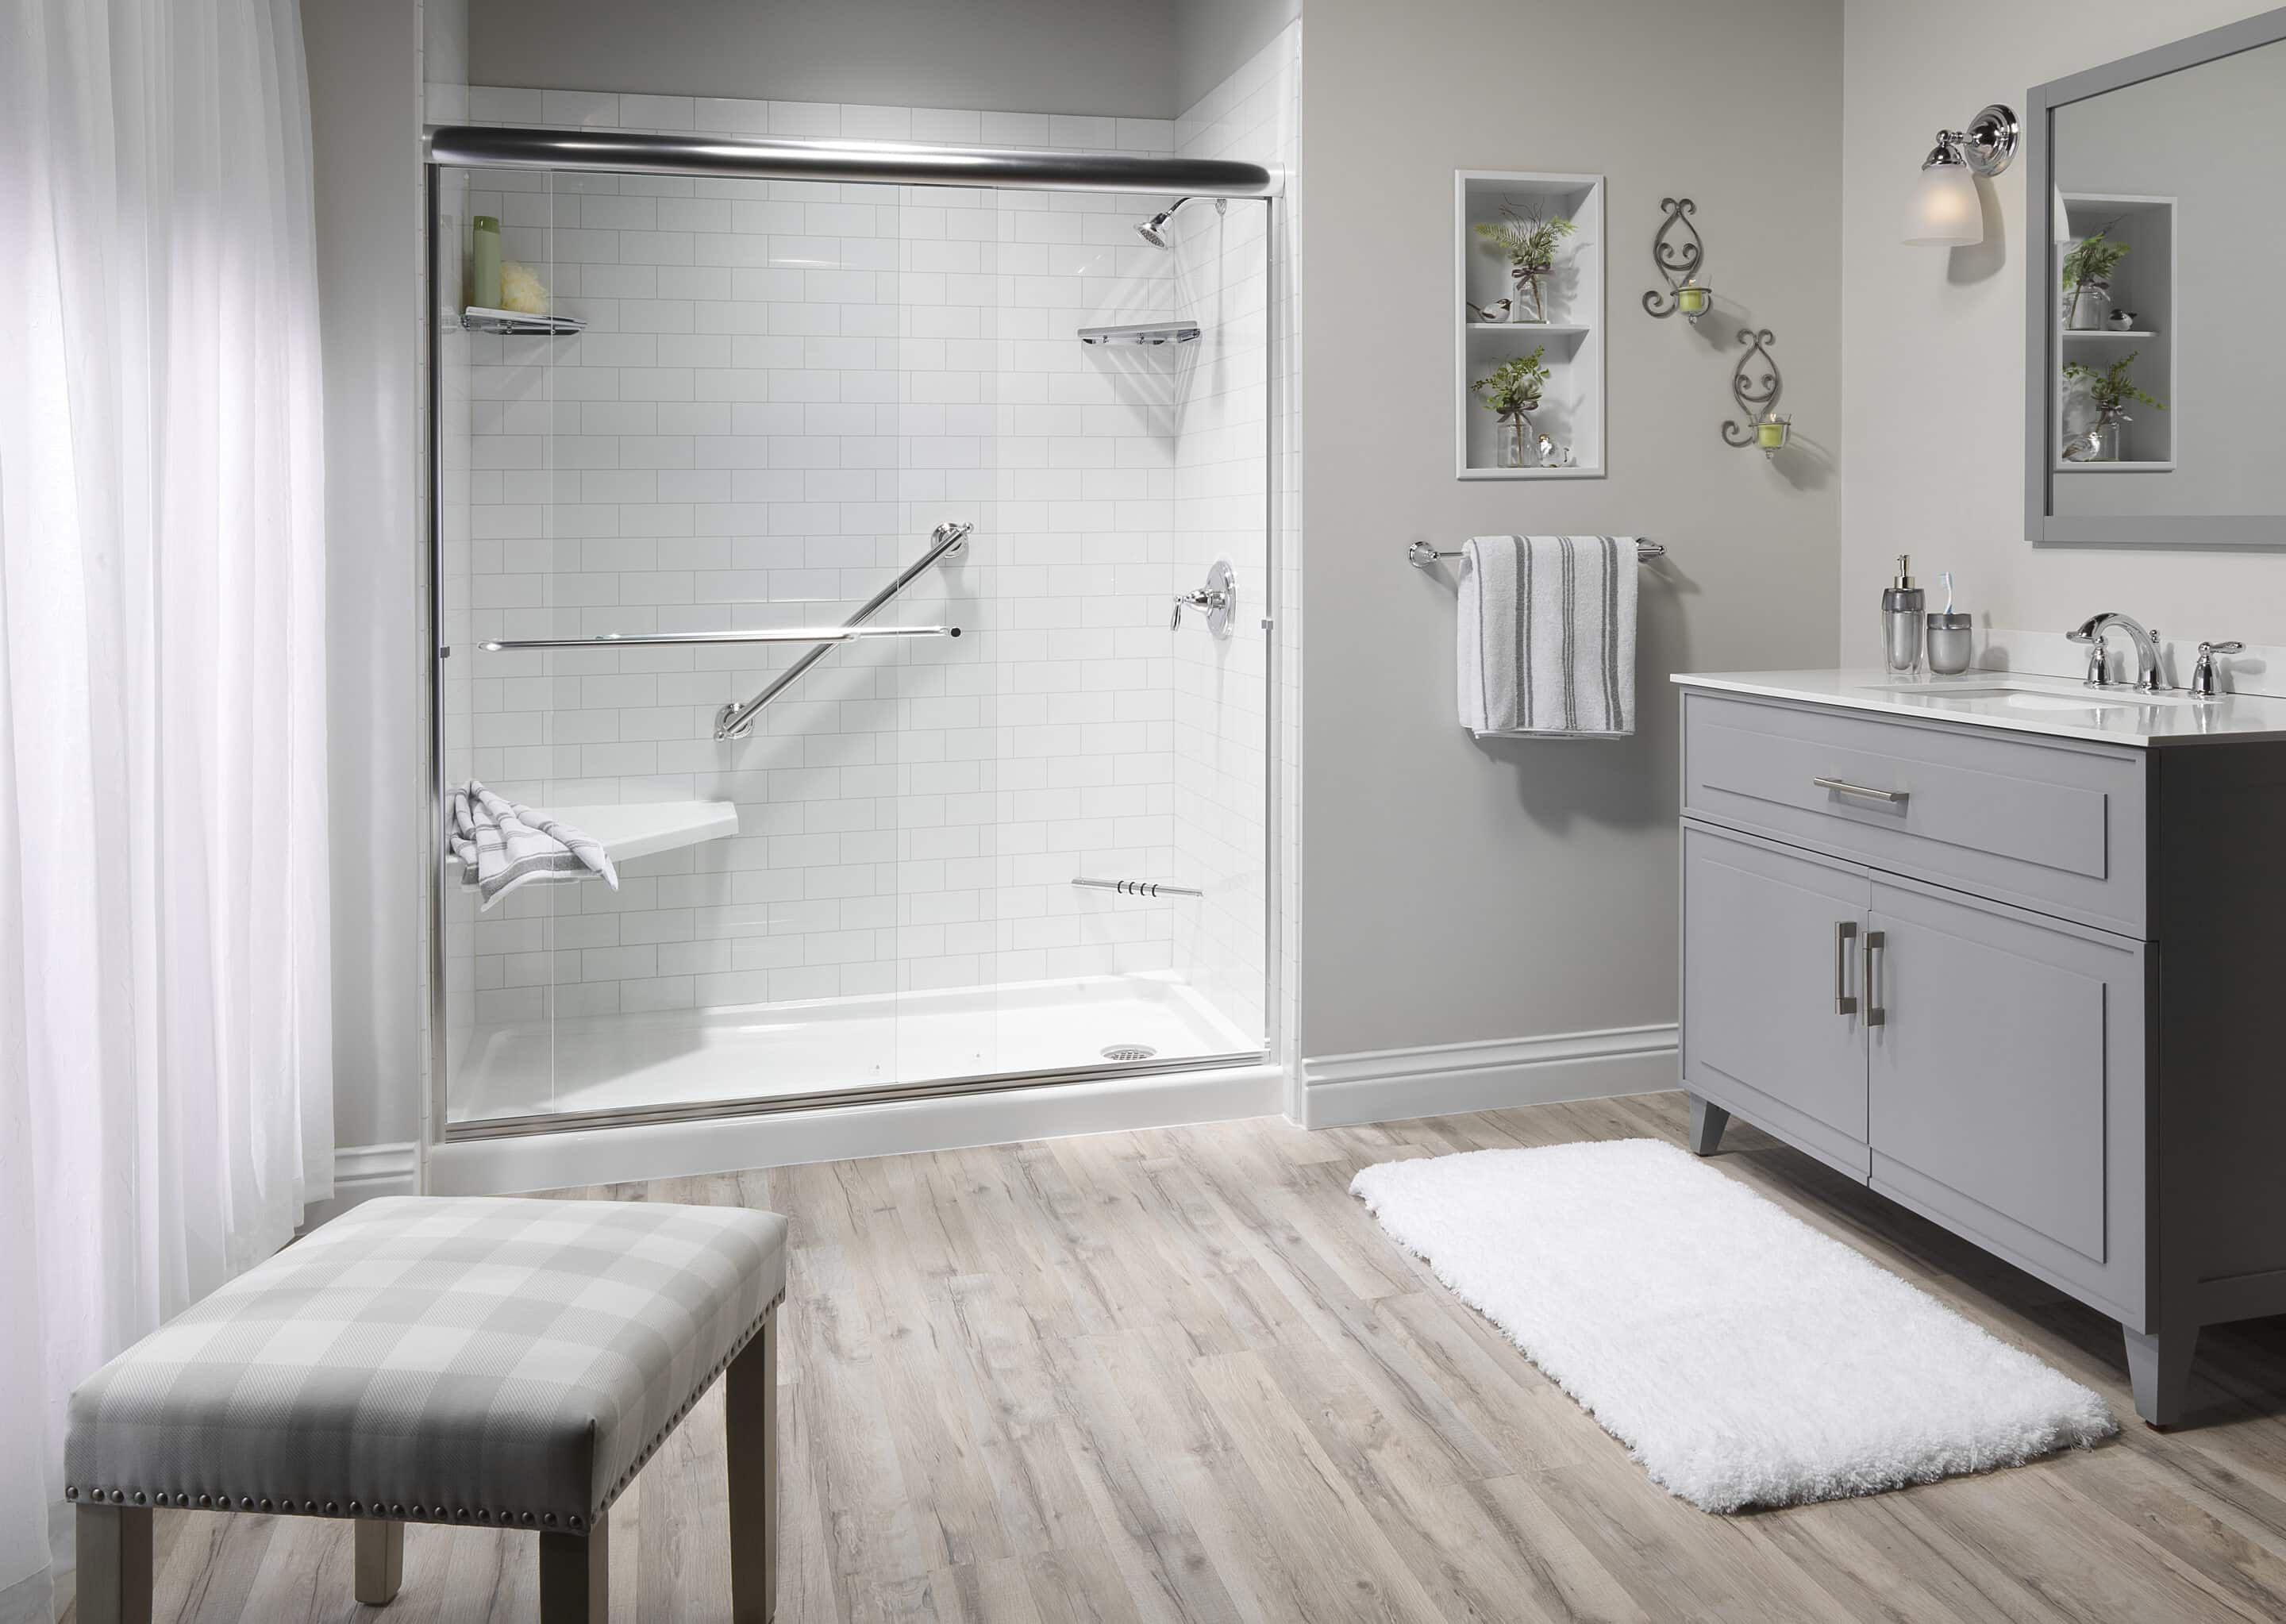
(886, 1093)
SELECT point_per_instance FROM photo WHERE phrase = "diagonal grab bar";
(945, 541)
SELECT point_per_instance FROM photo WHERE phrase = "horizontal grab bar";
(1138, 888)
(788, 633)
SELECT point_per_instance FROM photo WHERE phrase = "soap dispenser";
(1901, 620)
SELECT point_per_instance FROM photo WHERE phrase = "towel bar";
(1423, 554)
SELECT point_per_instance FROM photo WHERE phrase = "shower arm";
(945, 541)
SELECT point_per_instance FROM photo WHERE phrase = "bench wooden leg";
(380, 1562)
(114, 1564)
(750, 1421)
(575, 1576)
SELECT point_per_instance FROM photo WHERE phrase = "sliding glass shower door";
(710, 412)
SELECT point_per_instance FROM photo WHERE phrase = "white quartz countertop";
(2017, 702)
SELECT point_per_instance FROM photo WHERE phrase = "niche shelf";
(2144, 282)
(1571, 404)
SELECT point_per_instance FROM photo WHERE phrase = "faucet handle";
(2202, 675)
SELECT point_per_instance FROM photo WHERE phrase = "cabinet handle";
(1877, 943)
(1894, 797)
(1845, 932)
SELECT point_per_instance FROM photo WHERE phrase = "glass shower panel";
(750, 406)
(1123, 472)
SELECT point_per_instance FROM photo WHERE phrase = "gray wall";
(1028, 56)
(1455, 890)
(365, 100)
(1214, 38)
(1926, 330)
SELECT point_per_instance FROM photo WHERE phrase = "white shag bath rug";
(1743, 1358)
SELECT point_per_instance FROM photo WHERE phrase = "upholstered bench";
(483, 1362)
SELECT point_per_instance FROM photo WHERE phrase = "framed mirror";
(2157, 250)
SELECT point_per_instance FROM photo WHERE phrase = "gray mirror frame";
(2042, 528)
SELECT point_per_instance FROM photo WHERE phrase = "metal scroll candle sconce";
(1678, 262)
(1757, 398)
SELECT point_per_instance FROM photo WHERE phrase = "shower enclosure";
(869, 544)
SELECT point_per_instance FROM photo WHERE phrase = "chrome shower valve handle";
(1217, 599)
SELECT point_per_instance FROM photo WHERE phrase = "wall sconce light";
(1944, 211)
(1678, 263)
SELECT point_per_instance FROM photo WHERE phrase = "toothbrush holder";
(1952, 642)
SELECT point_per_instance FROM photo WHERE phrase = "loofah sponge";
(521, 290)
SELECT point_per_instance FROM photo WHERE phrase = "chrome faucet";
(2148, 678)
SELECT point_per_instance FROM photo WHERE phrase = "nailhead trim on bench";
(398, 1512)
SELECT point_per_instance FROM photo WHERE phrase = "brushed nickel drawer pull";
(1894, 797)
(1877, 944)
(1845, 932)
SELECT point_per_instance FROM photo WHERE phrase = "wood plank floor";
(1182, 1375)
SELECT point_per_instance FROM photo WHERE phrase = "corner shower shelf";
(644, 828)
(480, 319)
(1168, 332)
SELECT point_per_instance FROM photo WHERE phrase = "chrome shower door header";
(879, 162)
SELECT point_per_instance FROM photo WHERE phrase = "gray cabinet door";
(2005, 1084)
(1770, 945)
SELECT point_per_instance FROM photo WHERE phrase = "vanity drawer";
(2049, 825)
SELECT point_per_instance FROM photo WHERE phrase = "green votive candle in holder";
(1693, 299)
(1770, 433)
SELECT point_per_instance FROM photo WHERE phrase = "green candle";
(1770, 435)
(1693, 299)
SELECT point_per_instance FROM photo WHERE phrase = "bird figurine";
(1491, 312)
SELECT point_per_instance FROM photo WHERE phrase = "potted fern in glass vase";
(2108, 391)
(1530, 244)
(2087, 280)
(1511, 393)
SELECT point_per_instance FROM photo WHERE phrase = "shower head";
(1153, 231)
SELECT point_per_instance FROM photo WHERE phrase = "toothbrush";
(1946, 577)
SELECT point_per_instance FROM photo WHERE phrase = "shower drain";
(1128, 1052)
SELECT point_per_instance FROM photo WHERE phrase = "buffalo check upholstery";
(481, 1360)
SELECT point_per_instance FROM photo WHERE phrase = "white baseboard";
(728, 1143)
(363, 1172)
(1438, 1079)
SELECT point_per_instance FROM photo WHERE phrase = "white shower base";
(786, 1051)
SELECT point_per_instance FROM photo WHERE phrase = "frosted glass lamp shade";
(1944, 211)
(2063, 219)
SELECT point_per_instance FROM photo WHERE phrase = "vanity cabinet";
(2007, 980)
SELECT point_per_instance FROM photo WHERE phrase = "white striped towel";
(502, 845)
(1546, 639)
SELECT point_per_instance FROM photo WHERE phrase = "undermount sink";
(2035, 698)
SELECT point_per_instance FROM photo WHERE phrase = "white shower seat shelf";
(645, 828)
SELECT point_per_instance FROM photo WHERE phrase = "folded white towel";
(1547, 636)
(502, 846)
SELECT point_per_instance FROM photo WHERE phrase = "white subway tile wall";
(781, 388)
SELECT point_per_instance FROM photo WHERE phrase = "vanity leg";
(1708, 1122)
(2159, 1368)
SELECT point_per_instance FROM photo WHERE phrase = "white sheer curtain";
(165, 1087)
